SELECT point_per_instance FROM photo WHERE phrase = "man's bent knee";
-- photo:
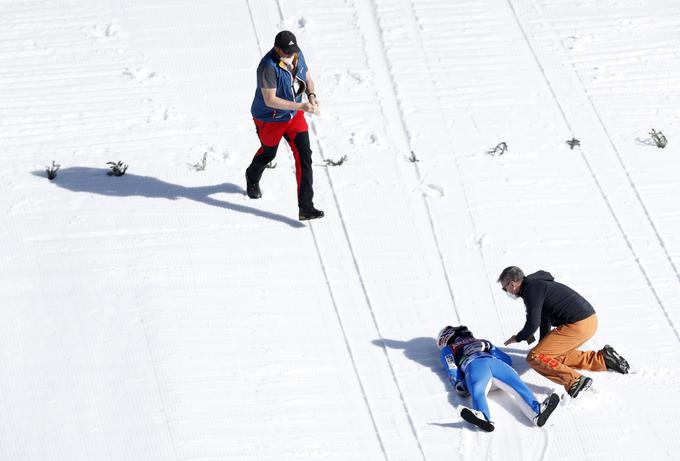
(538, 359)
(267, 153)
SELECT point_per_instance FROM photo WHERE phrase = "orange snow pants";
(556, 356)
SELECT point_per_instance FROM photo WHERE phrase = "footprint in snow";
(478, 242)
(433, 190)
(140, 74)
(100, 31)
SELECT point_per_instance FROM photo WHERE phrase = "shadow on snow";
(424, 351)
(95, 181)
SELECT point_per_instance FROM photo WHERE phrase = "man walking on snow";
(552, 304)
(278, 111)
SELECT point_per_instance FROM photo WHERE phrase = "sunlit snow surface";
(163, 315)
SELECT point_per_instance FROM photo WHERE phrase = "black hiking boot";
(547, 407)
(477, 418)
(253, 188)
(582, 384)
(614, 361)
(311, 213)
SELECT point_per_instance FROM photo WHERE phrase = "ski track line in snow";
(473, 443)
(405, 142)
(369, 304)
(366, 296)
(331, 293)
(415, 30)
(597, 182)
(166, 417)
(408, 15)
(393, 101)
(640, 201)
(348, 346)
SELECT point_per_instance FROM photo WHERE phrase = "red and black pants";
(296, 132)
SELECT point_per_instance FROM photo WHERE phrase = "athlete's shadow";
(95, 181)
(425, 352)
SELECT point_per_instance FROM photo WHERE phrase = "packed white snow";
(163, 315)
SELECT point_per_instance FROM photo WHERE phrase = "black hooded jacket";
(550, 304)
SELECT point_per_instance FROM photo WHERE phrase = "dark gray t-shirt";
(266, 76)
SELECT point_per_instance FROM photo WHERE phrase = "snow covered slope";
(162, 315)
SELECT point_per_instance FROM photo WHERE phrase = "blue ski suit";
(474, 365)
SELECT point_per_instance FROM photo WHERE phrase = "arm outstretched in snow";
(455, 375)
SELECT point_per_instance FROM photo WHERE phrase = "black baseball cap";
(286, 41)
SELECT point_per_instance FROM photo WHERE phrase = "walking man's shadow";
(425, 352)
(94, 180)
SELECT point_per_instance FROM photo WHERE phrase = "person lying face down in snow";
(473, 365)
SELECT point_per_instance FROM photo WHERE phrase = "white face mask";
(510, 295)
(288, 61)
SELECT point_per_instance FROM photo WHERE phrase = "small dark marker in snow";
(338, 162)
(52, 170)
(573, 142)
(500, 149)
(659, 139)
(117, 169)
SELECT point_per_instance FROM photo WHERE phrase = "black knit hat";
(286, 41)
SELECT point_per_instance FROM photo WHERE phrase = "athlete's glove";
(461, 389)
